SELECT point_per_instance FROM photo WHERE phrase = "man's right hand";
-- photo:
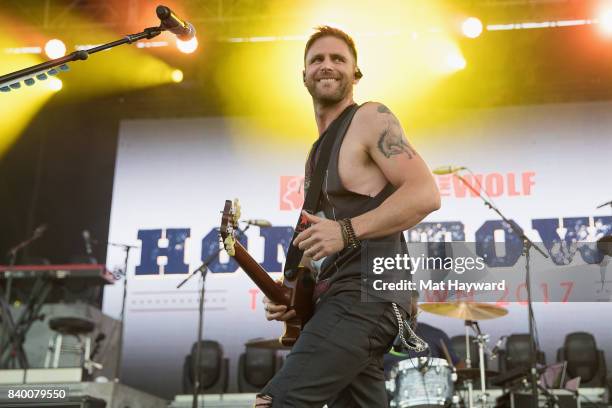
(275, 311)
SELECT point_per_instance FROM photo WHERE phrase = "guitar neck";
(275, 292)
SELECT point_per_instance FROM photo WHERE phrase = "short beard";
(328, 99)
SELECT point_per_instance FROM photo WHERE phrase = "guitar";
(296, 293)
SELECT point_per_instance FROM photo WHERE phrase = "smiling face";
(329, 72)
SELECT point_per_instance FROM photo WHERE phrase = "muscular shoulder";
(372, 115)
(374, 118)
(380, 130)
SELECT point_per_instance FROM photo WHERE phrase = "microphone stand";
(604, 204)
(12, 255)
(8, 323)
(81, 55)
(203, 269)
(127, 249)
(527, 245)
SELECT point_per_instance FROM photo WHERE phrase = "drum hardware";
(464, 374)
(420, 381)
(465, 310)
(481, 340)
(456, 399)
(470, 313)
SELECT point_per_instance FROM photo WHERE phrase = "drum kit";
(430, 382)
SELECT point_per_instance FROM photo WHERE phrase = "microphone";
(442, 170)
(87, 239)
(497, 347)
(259, 223)
(171, 22)
(39, 231)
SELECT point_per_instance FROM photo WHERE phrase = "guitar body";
(301, 290)
(295, 293)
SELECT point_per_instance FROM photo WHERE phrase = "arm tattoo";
(392, 140)
(383, 109)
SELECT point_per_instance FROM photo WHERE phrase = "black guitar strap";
(322, 147)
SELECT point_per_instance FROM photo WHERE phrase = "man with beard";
(375, 186)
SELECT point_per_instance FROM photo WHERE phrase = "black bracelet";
(344, 233)
(353, 242)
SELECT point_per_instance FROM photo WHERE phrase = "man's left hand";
(321, 239)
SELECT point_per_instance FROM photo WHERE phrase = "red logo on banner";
(291, 193)
(494, 184)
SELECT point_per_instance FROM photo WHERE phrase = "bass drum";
(420, 382)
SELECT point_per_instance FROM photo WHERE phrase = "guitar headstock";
(229, 224)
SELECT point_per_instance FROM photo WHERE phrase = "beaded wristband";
(344, 233)
(351, 237)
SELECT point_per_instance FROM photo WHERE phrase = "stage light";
(55, 84)
(471, 27)
(455, 61)
(187, 47)
(605, 20)
(177, 76)
(55, 48)
(418, 64)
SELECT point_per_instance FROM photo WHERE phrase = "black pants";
(338, 357)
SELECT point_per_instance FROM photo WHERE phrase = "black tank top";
(344, 269)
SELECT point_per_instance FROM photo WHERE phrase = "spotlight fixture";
(177, 76)
(55, 84)
(605, 20)
(55, 48)
(471, 27)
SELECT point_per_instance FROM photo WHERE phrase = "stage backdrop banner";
(547, 167)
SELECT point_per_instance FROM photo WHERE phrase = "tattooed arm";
(417, 194)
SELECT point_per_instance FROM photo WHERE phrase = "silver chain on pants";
(419, 344)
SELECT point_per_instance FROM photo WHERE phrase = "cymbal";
(464, 374)
(465, 310)
(270, 344)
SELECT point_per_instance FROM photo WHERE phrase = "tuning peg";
(237, 210)
(229, 243)
(29, 81)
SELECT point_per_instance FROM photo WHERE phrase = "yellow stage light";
(605, 20)
(55, 48)
(18, 106)
(400, 68)
(21, 105)
(55, 84)
(187, 47)
(455, 61)
(177, 76)
(471, 27)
